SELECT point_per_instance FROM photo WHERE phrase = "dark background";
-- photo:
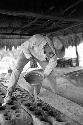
(28, 17)
(67, 8)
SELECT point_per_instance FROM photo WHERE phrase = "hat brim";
(60, 52)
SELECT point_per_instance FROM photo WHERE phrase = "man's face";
(48, 51)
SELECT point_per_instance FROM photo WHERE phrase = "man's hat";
(59, 47)
(36, 46)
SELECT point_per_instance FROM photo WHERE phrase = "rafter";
(27, 25)
(72, 6)
(43, 28)
(29, 14)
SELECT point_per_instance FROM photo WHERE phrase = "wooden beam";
(4, 36)
(72, 6)
(29, 14)
(26, 26)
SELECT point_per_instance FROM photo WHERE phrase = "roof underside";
(59, 17)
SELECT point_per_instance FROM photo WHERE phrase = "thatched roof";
(70, 36)
(15, 40)
(60, 18)
(12, 40)
(71, 40)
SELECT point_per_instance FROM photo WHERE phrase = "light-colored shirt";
(25, 49)
(34, 46)
(31, 48)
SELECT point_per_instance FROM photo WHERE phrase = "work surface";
(23, 110)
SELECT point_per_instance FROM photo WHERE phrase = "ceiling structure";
(26, 18)
(40, 16)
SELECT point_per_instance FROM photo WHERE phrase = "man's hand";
(45, 76)
(7, 99)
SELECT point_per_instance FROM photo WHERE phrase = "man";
(37, 47)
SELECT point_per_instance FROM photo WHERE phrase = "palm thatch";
(12, 40)
(71, 40)
(71, 36)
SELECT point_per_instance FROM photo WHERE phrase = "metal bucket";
(34, 79)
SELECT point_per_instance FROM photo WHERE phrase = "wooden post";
(77, 59)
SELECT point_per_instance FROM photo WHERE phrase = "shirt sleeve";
(51, 65)
(25, 49)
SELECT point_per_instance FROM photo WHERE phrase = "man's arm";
(21, 62)
(51, 65)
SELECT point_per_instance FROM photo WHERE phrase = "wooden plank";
(64, 71)
(69, 108)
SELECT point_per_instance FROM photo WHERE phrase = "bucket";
(34, 78)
